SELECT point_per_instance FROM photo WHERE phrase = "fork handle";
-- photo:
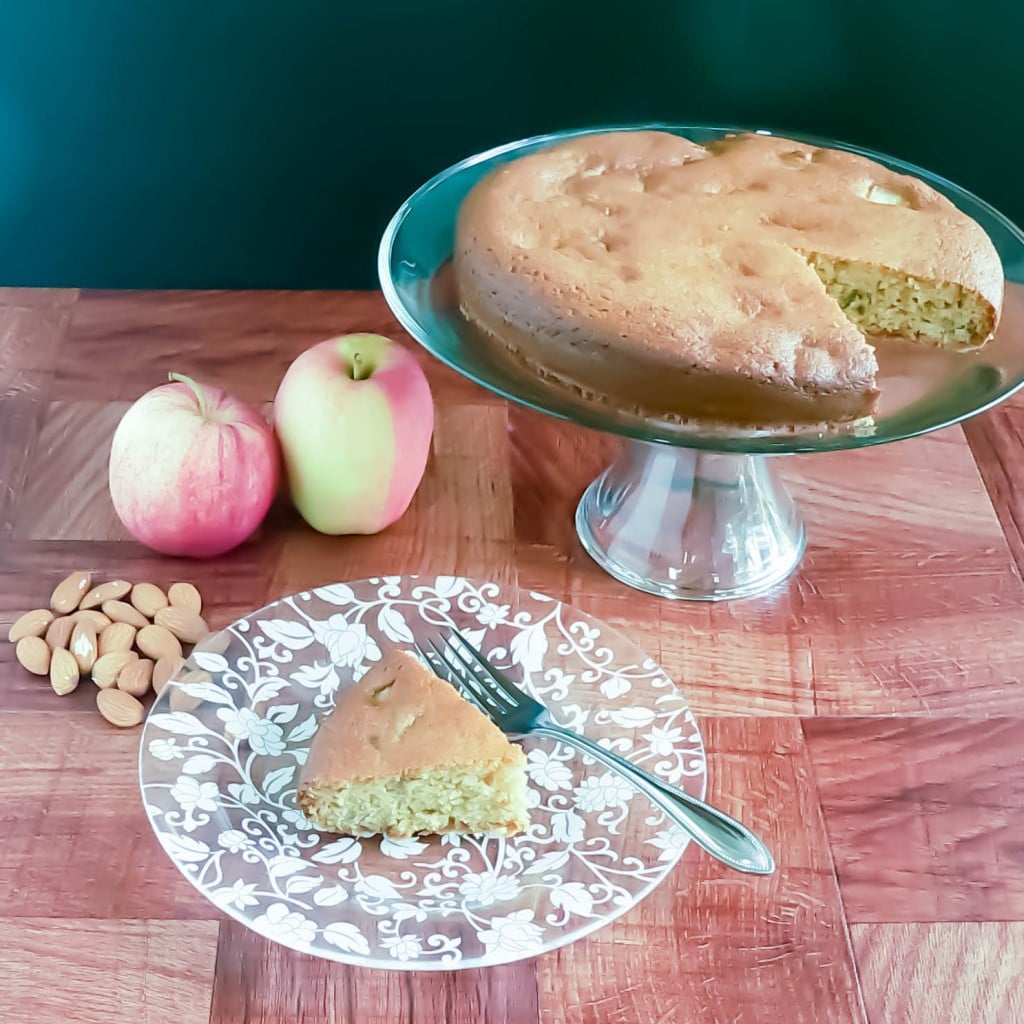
(715, 831)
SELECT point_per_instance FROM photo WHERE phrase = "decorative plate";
(224, 742)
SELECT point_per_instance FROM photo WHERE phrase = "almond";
(179, 700)
(120, 708)
(70, 591)
(98, 619)
(157, 642)
(118, 636)
(166, 668)
(63, 672)
(109, 591)
(194, 675)
(58, 633)
(33, 654)
(188, 627)
(214, 643)
(120, 611)
(186, 597)
(32, 623)
(83, 645)
(148, 598)
(108, 668)
(135, 677)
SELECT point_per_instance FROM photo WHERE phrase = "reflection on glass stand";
(706, 526)
(689, 510)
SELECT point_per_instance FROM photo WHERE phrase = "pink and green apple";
(355, 417)
(192, 470)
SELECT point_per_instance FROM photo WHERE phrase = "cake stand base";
(691, 525)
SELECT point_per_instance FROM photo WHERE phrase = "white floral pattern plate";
(224, 742)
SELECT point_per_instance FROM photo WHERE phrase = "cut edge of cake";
(882, 302)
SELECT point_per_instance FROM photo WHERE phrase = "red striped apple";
(192, 470)
(354, 417)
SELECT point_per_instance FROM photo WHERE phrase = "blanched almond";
(33, 623)
(33, 654)
(58, 633)
(64, 674)
(120, 708)
(186, 597)
(108, 668)
(165, 668)
(112, 590)
(70, 591)
(135, 677)
(83, 646)
(121, 611)
(148, 598)
(98, 619)
(186, 626)
(118, 636)
(157, 642)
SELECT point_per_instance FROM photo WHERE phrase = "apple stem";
(180, 378)
(357, 367)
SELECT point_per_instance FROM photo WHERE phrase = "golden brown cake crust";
(649, 271)
(400, 719)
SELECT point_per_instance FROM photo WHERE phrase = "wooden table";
(867, 719)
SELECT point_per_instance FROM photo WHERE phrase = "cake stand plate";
(695, 510)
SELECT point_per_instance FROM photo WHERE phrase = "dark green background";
(261, 144)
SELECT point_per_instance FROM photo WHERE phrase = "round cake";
(738, 282)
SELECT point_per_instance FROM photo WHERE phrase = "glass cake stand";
(693, 510)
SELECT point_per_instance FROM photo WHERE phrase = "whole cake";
(403, 753)
(738, 281)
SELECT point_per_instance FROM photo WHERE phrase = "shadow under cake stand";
(692, 511)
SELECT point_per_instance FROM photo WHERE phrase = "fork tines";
(462, 666)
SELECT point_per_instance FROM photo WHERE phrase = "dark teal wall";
(265, 144)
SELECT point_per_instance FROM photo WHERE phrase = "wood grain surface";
(867, 717)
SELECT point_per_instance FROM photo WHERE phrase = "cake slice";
(402, 753)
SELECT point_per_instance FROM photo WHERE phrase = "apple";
(354, 416)
(192, 470)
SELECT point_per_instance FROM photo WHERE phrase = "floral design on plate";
(224, 742)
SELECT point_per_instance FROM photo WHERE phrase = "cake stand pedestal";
(697, 525)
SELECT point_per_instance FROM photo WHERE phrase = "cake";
(742, 281)
(402, 753)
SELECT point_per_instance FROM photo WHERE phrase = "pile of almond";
(127, 637)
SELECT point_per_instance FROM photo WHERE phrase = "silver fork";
(514, 711)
